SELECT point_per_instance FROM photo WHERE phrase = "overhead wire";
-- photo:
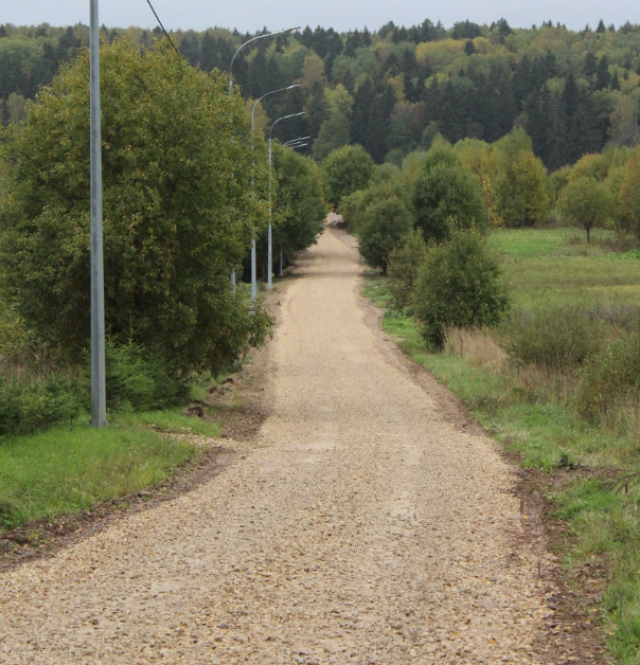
(166, 34)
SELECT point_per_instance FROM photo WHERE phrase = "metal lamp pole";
(254, 271)
(249, 41)
(98, 383)
(270, 251)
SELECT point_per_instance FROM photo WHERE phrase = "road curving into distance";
(363, 528)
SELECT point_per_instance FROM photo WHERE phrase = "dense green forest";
(392, 90)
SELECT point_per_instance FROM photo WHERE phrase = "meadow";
(573, 302)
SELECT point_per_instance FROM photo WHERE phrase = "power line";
(166, 34)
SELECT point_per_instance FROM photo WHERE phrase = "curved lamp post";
(270, 252)
(254, 271)
(249, 41)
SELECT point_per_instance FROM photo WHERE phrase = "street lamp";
(298, 140)
(270, 251)
(254, 271)
(253, 39)
(249, 41)
(98, 383)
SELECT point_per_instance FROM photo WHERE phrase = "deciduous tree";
(175, 219)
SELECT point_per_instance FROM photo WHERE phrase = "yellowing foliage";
(439, 54)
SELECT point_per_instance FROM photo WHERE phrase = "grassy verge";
(65, 470)
(602, 515)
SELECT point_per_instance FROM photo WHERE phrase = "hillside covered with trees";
(393, 89)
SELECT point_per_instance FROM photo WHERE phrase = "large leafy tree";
(459, 284)
(345, 171)
(586, 202)
(177, 209)
(522, 181)
(385, 225)
(299, 207)
(445, 193)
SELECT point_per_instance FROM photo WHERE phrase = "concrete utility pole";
(98, 385)
(270, 252)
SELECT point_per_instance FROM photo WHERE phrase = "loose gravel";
(362, 528)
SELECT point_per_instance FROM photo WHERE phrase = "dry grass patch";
(477, 346)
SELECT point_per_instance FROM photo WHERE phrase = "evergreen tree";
(554, 111)
(550, 66)
(376, 135)
(392, 65)
(257, 75)
(409, 65)
(362, 109)
(590, 65)
(570, 95)
(536, 125)
(601, 29)
(208, 52)
(615, 82)
(306, 37)
(354, 41)
(603, 78)
(314, 107)
(522, 80)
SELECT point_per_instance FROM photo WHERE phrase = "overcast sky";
(250, 15)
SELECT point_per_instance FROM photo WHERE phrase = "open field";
(559, 267)
(531, 410)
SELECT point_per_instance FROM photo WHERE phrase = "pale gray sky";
(340, 14)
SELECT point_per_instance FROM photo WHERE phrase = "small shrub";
(558, 337)
(385, 224)
(140, 381)
(459, 284)
(30, 405)
(610, 378)
(404, 264)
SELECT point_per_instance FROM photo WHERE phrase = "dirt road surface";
(363, 528)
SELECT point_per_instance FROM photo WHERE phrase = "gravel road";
(362, 528)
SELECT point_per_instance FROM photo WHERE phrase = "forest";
(392, 90)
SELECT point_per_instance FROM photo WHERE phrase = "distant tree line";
(394, 89)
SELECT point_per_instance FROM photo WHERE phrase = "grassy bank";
(531, 409)
(67, 469)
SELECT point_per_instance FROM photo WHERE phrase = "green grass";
(549, 266)
(604, 519)
(66, 470)
(171, 421)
